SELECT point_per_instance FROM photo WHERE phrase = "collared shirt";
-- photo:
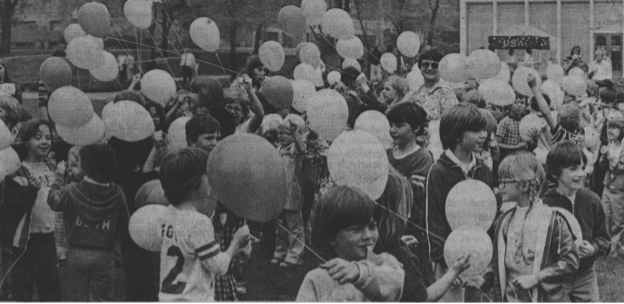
(509, 131)
(602, 70)
(436, 100)
(464, 167)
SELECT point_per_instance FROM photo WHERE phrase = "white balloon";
(272, 55)
(350, 48)
(303, 90)
(483, 64)
(85, 52)
(139, 13)
(574, 85)
(389, 62)
(454, 68)
(376, 123)
(415, 79)
(6, 138)
(310, 54)
(576, 71)
(109, 70)
(471, 203)
(520, 80)
(357, 159)
(314, 11)
(176, 135)
(351, 63)
(205, 34)
(88, 134)
(338, 24)
(592, 137)
(333, 77)
(304, 71)
(70, 107)
(554, 92)
(9, 162)
(497, 92)
(72, 31)
(473, 241)
(158, 86)
(408, 44)
(145, 226)
(555, 73)
(328, 113)
(505, 73)
(529, 125)
(128, 121)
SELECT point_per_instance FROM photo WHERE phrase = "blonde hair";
(294, 119)
(523, 167)
(400, 85)
(398, 198)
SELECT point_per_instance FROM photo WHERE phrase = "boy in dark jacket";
(462, 132)
(96, 214)
(566, 162)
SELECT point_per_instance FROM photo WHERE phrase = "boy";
(508, 133)
(462, 132)
(190, 256)
(565, 163)
(203, 132)
(612, 196)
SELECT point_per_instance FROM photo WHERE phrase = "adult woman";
(210, 92)
(256, 71)
(394, 90)
(574, 60)
(434, 96)
(8, 86)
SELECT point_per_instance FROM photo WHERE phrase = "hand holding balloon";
(240, 238)
(461, 264)
(61, 167)
(525, 281)
(342, 271)
(532, 81)
(474, 282)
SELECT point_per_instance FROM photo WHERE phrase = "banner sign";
(519, 42)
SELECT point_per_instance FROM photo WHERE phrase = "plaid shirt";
(509, 131)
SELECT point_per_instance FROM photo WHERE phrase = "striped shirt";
(414, 166)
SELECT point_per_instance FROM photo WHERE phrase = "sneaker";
(241, 290)
(287, 264)
(276, 261)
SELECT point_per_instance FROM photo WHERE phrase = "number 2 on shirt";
(167, 284)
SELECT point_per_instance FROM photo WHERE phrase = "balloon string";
(482, 293)
(302, 242)
(162, 29)
(332, 45)
(220, 63)
(162, 54)
(172, 28)
(439, 238)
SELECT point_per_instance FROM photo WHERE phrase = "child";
(508, 133)
(288, 249)
(27, 220)
(190, 256)
(462, 132)
(203, 132)
(565, 163)
(96, 215)
(612, 161)
(514, 275)
(344, 230)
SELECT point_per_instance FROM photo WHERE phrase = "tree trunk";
(233, 32)
(165, 26)
(434, 15)
(6, 25)
(259, 32)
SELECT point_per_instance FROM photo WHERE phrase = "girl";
(395, 88)
(8, 86)
(534, 251)
(612, 161)
(28, 221)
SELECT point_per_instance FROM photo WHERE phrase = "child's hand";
(461, 264)
(342, 271)
(532, 81)
(294, 128)
(35, 182)
(241, 236)
(586, 249)
(136, 78)
(245, 80)
(61, 168)
(603, 149)
(361, 80)
(475, 282)
(525, 281)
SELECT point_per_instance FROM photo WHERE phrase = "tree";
(7, 10)
(434, 6)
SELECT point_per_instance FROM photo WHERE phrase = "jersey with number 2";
(188, 239)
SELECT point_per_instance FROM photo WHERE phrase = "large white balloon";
(109, 70)
(357, 159)
(303, 89)
(555, 73)
(145, 226)
(351, 63)
(505, 73)
(139, 13)
(205, 34)
(408, 44)
(304, 71)
(576, 71)
(338, 24)
(72, 31)
(389, 62)
(314, 11)
(6, 138)
(272, 55)
(350, 48)
(9, 162)
(128, 121)
(520, 80)
(473, 241)
(454, 68)
(483, 64)
(328, 113)
(415, 79)
(470, 203)
(88, 134)
(333, 77)
(310, 54)
(85, 52)
(176, 135)
(574, 85)
(530, 124)
(70, 107)
(376, 123)
(158, 86)
(497, 92)
(554, 92)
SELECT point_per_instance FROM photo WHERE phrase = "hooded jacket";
(590, 216)
(445, 174)
(94, 214)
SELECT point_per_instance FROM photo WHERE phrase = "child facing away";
(190, 257)
(534, 251)
(508, 132)
(96, 214)
(612, 161)
(292, 149)
(344, 230)
(565, 163)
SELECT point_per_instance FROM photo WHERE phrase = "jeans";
(36, 266)
(289, 246)
(94, 270)
(585, 287)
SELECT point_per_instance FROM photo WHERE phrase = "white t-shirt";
(188, 239)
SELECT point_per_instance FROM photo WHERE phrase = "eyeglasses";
(504, 182)
(427, 64)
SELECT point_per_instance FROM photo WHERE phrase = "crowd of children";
(391, 249)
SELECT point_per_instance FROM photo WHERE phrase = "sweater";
(443, 176)
(94, 214)
(590, 216)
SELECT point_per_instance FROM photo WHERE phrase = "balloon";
(310, 54)
(574, 85)
(333, 77)
(55, 72)
(353, 63)
(72, 31)
(338, 24)
(554, 92)
(109, 70)
(454, 68)
(302, 90)
(292, 21)
(90, 133)
(139, 13)
(70, 107)
(555, 73)
(271, 122)
(6, 138)
(9, 162)
(592, 137)
(272, 55)
(278, 92)
(483, 64)
(376, 123)
(176, 135)
(328, 113)
(415, 79)
(314, 11)
(505, 73)
(351, 48)
(408, 44)
(304, 71)
(357, 159)
(94, 19)
(158, 86)
(389, 62)
(497, 92)
(128, 121)
(85, 53)
(151, 193)
(247, 174)
(473, 241)
(519, 80)
(318, 78)
(577, 71)
(529, 125)
(145, 226)
(205, 34)
(471, 203)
